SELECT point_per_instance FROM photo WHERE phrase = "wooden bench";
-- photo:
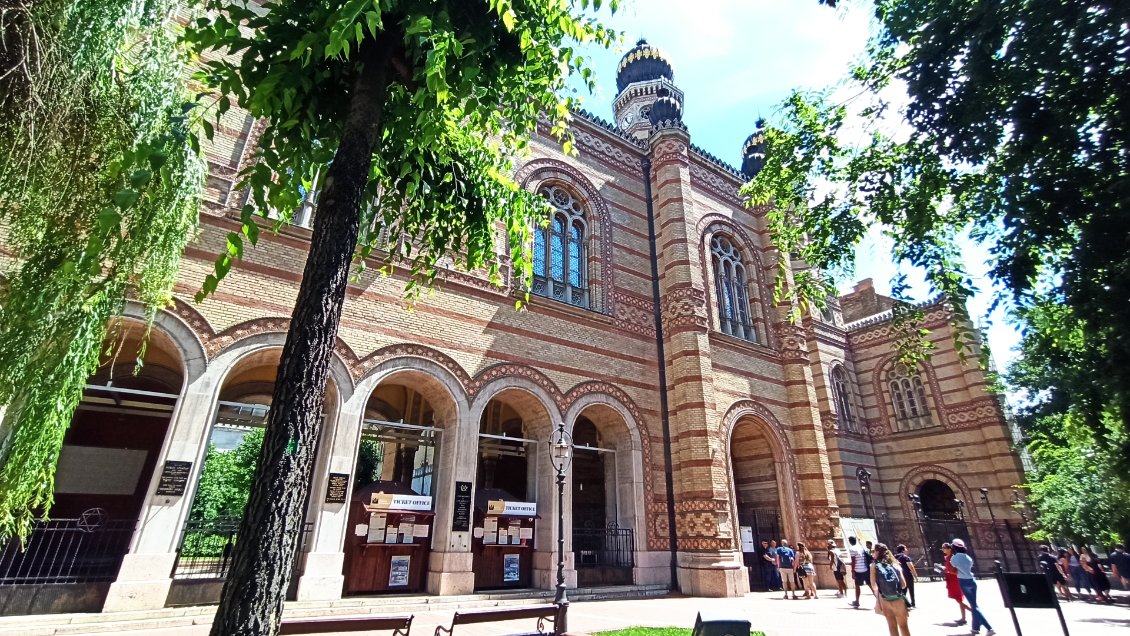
(400, 625)
(543, 613)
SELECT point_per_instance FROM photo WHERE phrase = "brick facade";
(753, 423)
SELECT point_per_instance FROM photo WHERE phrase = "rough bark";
(263, 558)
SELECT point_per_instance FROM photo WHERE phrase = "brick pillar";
(819, 516)
(708, 563)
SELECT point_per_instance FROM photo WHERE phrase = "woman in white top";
(964, 565)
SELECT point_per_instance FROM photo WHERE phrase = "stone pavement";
(777, 617)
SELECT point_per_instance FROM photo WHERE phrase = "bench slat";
(512, 613)
(399, 624)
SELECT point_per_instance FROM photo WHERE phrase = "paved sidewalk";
(777, 617)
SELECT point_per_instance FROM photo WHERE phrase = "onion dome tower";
(753, 151)
(643, 72)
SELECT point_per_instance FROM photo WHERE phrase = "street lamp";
(864, 477)
(996, 530)
(561, 449)
(916, 503)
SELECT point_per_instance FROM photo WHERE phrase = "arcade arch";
(407, 431)
(515, 421)
(606, 491)
(230, 454)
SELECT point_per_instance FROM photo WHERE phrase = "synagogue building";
(702, 421)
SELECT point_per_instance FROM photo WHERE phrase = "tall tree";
(100, 183)
(1015, 131)
(403, 114)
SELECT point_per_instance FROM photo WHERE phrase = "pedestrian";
(909, 573)
(963, 563)
(1054, 571)
(953, 587)
(1078, 577)
(868, 555)
(786, 561)
(1120, 565)
(806, 570)
(768, 565)
(1094, 570)
(887, 583)
(859, 572)
(776, 572)
(839, 570)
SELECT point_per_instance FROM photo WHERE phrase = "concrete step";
(117, 622)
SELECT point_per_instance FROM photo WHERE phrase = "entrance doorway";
(393, 487)
(756, 487)
(103, 473)
(512, 466)
(226, 478)
(603, 552)
(942, 518)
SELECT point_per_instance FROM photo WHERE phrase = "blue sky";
(736, 60)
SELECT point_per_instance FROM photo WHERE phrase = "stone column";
(818, 518)
(450, 566)
(323, 577)
(145, 577)
(708, 563)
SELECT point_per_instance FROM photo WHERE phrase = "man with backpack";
(839, 569)
(786, 561)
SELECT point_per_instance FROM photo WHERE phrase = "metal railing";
(206, 547)
(612, 546)
(87, 549)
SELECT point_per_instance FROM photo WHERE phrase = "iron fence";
(612, 546)
(206, 547)
(87, 549)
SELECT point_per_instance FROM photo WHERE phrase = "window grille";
(560, 259)
(735, 316)
(908, 395)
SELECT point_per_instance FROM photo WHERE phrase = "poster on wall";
(376, 530)
(398, 571)
(746, 533)
(862, 529)
(510, 568)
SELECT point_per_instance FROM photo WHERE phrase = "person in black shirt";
(909, 574)
(1051, 567)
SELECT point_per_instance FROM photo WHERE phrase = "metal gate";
(935, 532)
(766, 525)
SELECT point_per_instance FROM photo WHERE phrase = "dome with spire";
(753, 151)
(643, 63)
(665, 109)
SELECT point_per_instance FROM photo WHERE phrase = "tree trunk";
(263, 558)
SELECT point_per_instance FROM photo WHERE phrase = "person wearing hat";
(839, 569)
(963, 563)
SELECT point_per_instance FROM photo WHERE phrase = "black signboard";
(461, 515)
(336, 487)
(1027, 590)
(174, 479)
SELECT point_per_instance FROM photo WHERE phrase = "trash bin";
(720, 625)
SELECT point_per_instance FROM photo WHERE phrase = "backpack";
(785, 558)
(886, 576)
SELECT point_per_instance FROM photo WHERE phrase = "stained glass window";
(735, 314)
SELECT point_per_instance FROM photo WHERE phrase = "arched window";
(842, 397)
(560, 262)
(731, 287)
(908, 395)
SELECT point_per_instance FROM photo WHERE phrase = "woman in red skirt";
(953, 588)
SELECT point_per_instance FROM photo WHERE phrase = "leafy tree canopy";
(1015, 130)
(99, 188)
(471, 82)
(225, 481)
